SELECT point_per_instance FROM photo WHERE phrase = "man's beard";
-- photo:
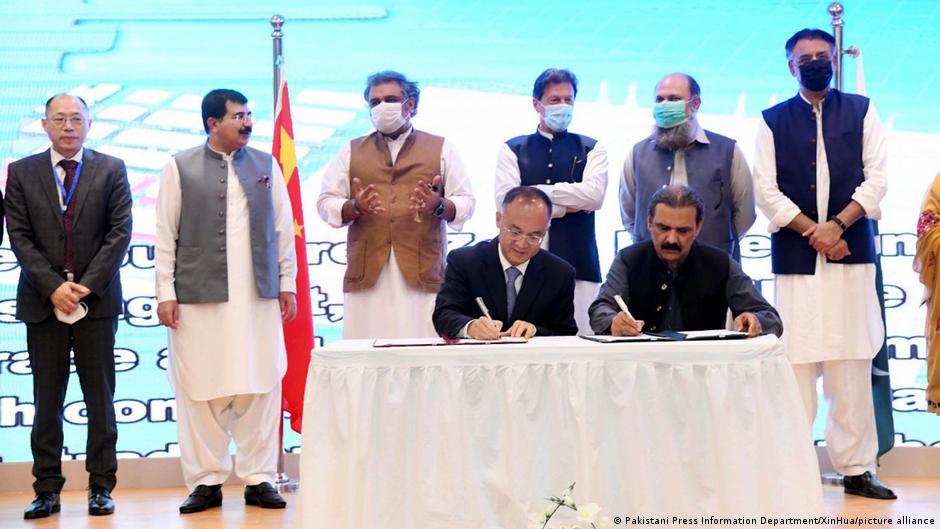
(675, 138)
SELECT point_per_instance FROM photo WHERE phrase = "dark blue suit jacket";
(545, 299)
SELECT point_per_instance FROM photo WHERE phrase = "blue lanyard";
(67, 194)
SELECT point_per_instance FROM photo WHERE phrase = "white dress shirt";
(517, 284)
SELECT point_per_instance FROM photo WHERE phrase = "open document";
(669, 336)
(428, 342)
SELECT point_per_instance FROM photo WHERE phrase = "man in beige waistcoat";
(394, 189)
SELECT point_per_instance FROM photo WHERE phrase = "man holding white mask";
(572, 170)
(394, 189)
(681, 152)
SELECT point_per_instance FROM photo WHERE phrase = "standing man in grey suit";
(69, 218)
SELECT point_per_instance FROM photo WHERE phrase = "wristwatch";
(439, 212)
(838, 222)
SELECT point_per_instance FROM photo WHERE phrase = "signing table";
(476, 436)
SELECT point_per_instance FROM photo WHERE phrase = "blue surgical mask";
(669, 114)
(558, 117)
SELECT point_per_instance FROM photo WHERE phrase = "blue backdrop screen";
(144, 67)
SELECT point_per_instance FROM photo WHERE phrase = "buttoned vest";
(201, 274)
(793, 124)
(419, 246)
(559, 160)
(708, 166)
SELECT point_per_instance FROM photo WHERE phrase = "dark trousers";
(49, 343)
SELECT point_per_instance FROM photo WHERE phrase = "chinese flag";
(298, 334)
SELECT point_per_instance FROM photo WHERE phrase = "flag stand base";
(283, 483)
(831, 478)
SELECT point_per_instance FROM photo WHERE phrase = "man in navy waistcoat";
(820, 174)
(572, 170)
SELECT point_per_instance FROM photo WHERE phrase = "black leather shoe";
(44, 504)
(264, 495)
(203, 497)
(99, 501)
(868, 486)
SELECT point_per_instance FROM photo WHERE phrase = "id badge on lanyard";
(65, 196)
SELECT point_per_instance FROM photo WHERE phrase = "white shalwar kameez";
(831, 319)
(227, 359)
(391, 308)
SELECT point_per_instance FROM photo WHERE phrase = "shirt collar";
(225, 156)
(401, 137)
(699, 135)
(506, 264)
(56, 157)
(810, 103)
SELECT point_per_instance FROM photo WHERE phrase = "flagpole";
(277, 22)
(282, 481)
(879, 395)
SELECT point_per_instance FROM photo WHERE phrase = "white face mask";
(80, 312)
(387, 118)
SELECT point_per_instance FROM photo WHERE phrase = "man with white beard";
(681, 152)
(394, 189)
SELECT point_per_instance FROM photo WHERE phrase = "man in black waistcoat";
(572, 170)
(673, 283)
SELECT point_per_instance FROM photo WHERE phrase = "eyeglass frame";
(530, 238)
(60, 121)
(240, 116)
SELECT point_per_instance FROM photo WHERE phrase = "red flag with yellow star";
(298, 334)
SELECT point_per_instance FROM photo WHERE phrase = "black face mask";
(816, 75)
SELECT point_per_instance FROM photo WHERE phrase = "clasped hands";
(66, 297)
(484, 328)
(624, 325)
(424, 199)
(826, 238)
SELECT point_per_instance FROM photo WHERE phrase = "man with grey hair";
(674, 283)
(68, 214)
(394, 189)
(225, 284)
(681, 152)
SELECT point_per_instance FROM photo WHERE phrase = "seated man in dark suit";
(520, 284)
(674, 283)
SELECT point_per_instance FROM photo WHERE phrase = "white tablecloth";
(477, 436)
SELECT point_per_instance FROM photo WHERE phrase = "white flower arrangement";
(587, 516)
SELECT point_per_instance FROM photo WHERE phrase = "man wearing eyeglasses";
(69, 218)
(523, 290)
(395, 190)
(572, 170)
(820, 172)
(225, 284)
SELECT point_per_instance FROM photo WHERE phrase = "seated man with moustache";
(672, 282)
(528, 288)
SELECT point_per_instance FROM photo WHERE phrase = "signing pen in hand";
(623, 306)
(483, 308)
